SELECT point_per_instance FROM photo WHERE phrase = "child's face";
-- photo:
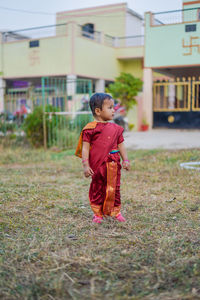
(107, 112)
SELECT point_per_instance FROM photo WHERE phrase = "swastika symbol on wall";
(192, 45)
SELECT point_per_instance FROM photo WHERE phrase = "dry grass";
(50, 249)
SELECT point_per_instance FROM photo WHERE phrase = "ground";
(51, 250)
(163, 139)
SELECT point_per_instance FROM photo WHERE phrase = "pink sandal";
(97, 219)
(120, 218)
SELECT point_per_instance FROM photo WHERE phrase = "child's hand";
(87, 171)
(126, 165)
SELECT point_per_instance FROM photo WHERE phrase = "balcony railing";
(126, 41)
(176, 16)
(95, 35)
(112, 41)
(37, 33)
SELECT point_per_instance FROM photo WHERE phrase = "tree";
(125, 88)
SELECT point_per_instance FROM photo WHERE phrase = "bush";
(125, 88)
(33, 125)
(7, 126)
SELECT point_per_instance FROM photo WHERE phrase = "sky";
(21, 14)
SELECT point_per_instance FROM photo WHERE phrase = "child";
(100, 144)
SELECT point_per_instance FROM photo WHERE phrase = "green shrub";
(6, 126)
(125, 88)
(33, 125)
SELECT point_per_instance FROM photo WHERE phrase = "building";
(172, 47)
(97, 44)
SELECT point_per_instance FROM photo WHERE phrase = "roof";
(93, 8)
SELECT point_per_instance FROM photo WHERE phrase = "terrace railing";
(126, 41)
(34, 33)
(176, 16)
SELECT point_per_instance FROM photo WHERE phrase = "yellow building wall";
(95, 60)
(132, 117)
(110, 19)
(132, 66)
(47, 59)
(130, 52)
(69, 54)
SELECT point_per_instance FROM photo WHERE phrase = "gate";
(66, 110)
(176, 104)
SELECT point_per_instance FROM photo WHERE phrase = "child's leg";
(97, 191)
(117, 205)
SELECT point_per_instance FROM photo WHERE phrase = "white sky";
(12, 20)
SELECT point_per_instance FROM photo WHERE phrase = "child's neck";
(100, 120)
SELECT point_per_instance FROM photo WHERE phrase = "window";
(190, 27)
(88, 30)
(33, 44)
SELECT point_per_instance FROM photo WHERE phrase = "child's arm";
(85, 156)
(123, 153)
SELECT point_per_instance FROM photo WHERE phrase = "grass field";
(49, 248)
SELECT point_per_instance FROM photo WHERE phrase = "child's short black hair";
(96, 101)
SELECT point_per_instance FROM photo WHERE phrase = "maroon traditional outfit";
(104, 160)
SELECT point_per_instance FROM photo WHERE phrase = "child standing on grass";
(100, 147)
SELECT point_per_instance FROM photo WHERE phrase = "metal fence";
(196, 94)
(18, 103)
(176, 16)
(65, 112)
(172, 95)
(178, 95)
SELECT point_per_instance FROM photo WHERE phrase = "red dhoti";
(104, 193)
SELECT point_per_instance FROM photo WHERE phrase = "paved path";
(163, 139)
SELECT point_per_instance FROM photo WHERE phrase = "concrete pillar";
(101, 37)
(73, 31)
(100, 86)
(2, 89)
(148, 96)
(71, 85)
